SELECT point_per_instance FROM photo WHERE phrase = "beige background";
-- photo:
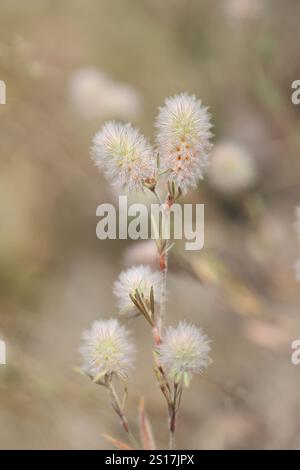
(56, 277)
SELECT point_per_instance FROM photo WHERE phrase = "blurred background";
(69, 66)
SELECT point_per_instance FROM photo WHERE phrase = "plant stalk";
(115, 403)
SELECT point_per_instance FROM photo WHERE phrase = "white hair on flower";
(124, 155)
(139, 278)
(107, 349)
(183, 139)
(184, 351)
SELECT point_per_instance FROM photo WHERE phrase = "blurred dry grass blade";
(117, 443)
(145, 428)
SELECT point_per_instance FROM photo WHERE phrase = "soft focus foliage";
(231, 169)
(94, 95)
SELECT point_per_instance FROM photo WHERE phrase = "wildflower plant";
(175, 164)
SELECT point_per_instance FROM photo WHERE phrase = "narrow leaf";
(145, 428)
(152, 300)
(118, 444)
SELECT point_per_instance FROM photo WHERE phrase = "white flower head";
(184, 352)
(95, 95)
(107, 349)
(124, 155)
(183, 139)
(139, 278)
(231, 169)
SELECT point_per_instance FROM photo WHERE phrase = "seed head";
(184, 352)
(107, 349)
(183, 140)
(139, 278)
(124, 155)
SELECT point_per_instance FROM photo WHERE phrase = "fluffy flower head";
(107, 349)
(184, 352)
(140, 278)
(231, 170)
(124, 155)
(183, 139)
(95, 95)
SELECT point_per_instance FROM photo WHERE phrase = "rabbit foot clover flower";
(183, 140)
(232, 170)
(138, 280)
(124, 155)
(184, 352)
(107, 350)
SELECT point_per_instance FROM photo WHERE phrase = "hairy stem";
(163, 264)
(157, 196)
(115, 403)
(172, 428)
(173, 409)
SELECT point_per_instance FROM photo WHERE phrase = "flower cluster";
(182, 144)
(184, 352)
(124, 155)
(136, 279)
(107, 349)
(176, 164)
(183, 140)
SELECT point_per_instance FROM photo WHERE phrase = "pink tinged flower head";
(107, 349)
(183, 140)
(184, 351)
(139, 278)
(124, 155)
